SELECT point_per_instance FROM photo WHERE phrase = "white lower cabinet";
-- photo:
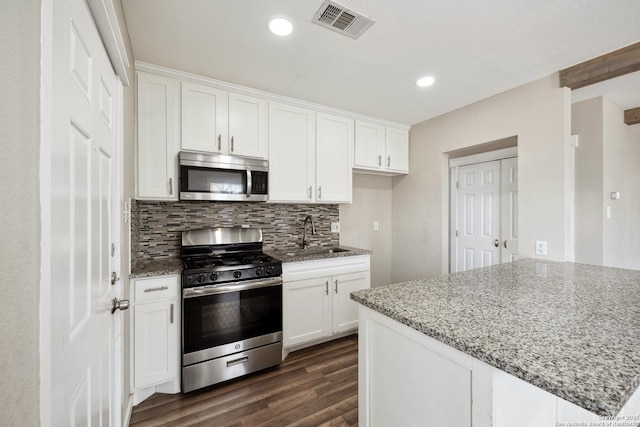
(317, 303)
(156, 336)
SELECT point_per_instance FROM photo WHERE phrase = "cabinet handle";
(232, 144)
(379, 159)
(171, 186)
(219, 142)
(326, 287)
(310, 192)
(336, 288)
(319, 192)
(171, 314)
(389, 161)
(158, 288)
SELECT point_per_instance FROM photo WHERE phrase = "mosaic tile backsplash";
(156, 227)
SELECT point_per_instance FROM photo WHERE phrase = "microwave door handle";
(249, 182)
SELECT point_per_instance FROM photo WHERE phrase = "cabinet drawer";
(156, 288)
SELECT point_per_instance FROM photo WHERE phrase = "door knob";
(122, 304)
(496, 243)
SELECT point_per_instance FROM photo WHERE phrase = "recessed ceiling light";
(280, 26)
(425, 81)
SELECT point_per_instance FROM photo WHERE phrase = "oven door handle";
(229, 287)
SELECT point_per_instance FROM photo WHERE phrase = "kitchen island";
(531, 342)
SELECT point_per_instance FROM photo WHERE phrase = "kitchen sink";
(318, 251)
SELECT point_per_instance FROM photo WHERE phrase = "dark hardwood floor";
(316, 386)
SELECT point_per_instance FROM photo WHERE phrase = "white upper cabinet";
(158, 128)
(334, 158)
(397, 150)
(217, 121)
(247, 126)
(205, 116)
(310, 156)
(369, 145)
(292, 141)
(380, 149)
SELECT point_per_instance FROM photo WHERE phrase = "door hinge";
(456, 233)
(457, 184)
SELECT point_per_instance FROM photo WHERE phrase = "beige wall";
(19, 247)
(371, 202)
(607, 160)
(537, 113)
(621, 172)
(586, 122)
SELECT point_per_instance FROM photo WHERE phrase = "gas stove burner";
(215, 256)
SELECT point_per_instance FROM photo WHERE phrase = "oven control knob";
(259, 271)
(237, 274)
(200, 278)
(214, 277)
(270, 269)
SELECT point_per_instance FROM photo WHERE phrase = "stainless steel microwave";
(206, 176)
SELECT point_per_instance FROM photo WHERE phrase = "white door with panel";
(247, 126)
(80, 374)
(205, 115)
(158, 124)
(306, 310)
(509, 207)
(484, 214)
(334, 158)
(292, 140)
(397, 150)
(345, 310)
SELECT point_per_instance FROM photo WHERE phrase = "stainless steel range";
(231, 306)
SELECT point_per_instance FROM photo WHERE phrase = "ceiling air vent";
(341, 19)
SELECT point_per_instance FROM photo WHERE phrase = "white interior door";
(509, 203)
(484, 213)
(478, 218)
(80, 246)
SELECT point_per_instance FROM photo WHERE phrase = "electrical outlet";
(335, 227)
(541, 247)
(376, 226)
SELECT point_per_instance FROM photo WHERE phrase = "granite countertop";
(165, 266)
(156, 267)
(315, 253)
(570, 329)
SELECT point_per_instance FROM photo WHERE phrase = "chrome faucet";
(305, 243)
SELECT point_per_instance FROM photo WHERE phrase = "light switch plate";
(335, 227)
(541, 247)
(376, 226)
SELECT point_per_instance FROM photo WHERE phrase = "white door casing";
(80, 198)
(484, 209)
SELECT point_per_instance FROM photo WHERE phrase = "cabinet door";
(345, 310)
(205, 115)
(334, 158)
(306, 311)
(158, 132)
(247, 126)
(369, 145)
(292, 135)
(397, 150)
(155, 343)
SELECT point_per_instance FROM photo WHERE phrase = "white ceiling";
(474, 48)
